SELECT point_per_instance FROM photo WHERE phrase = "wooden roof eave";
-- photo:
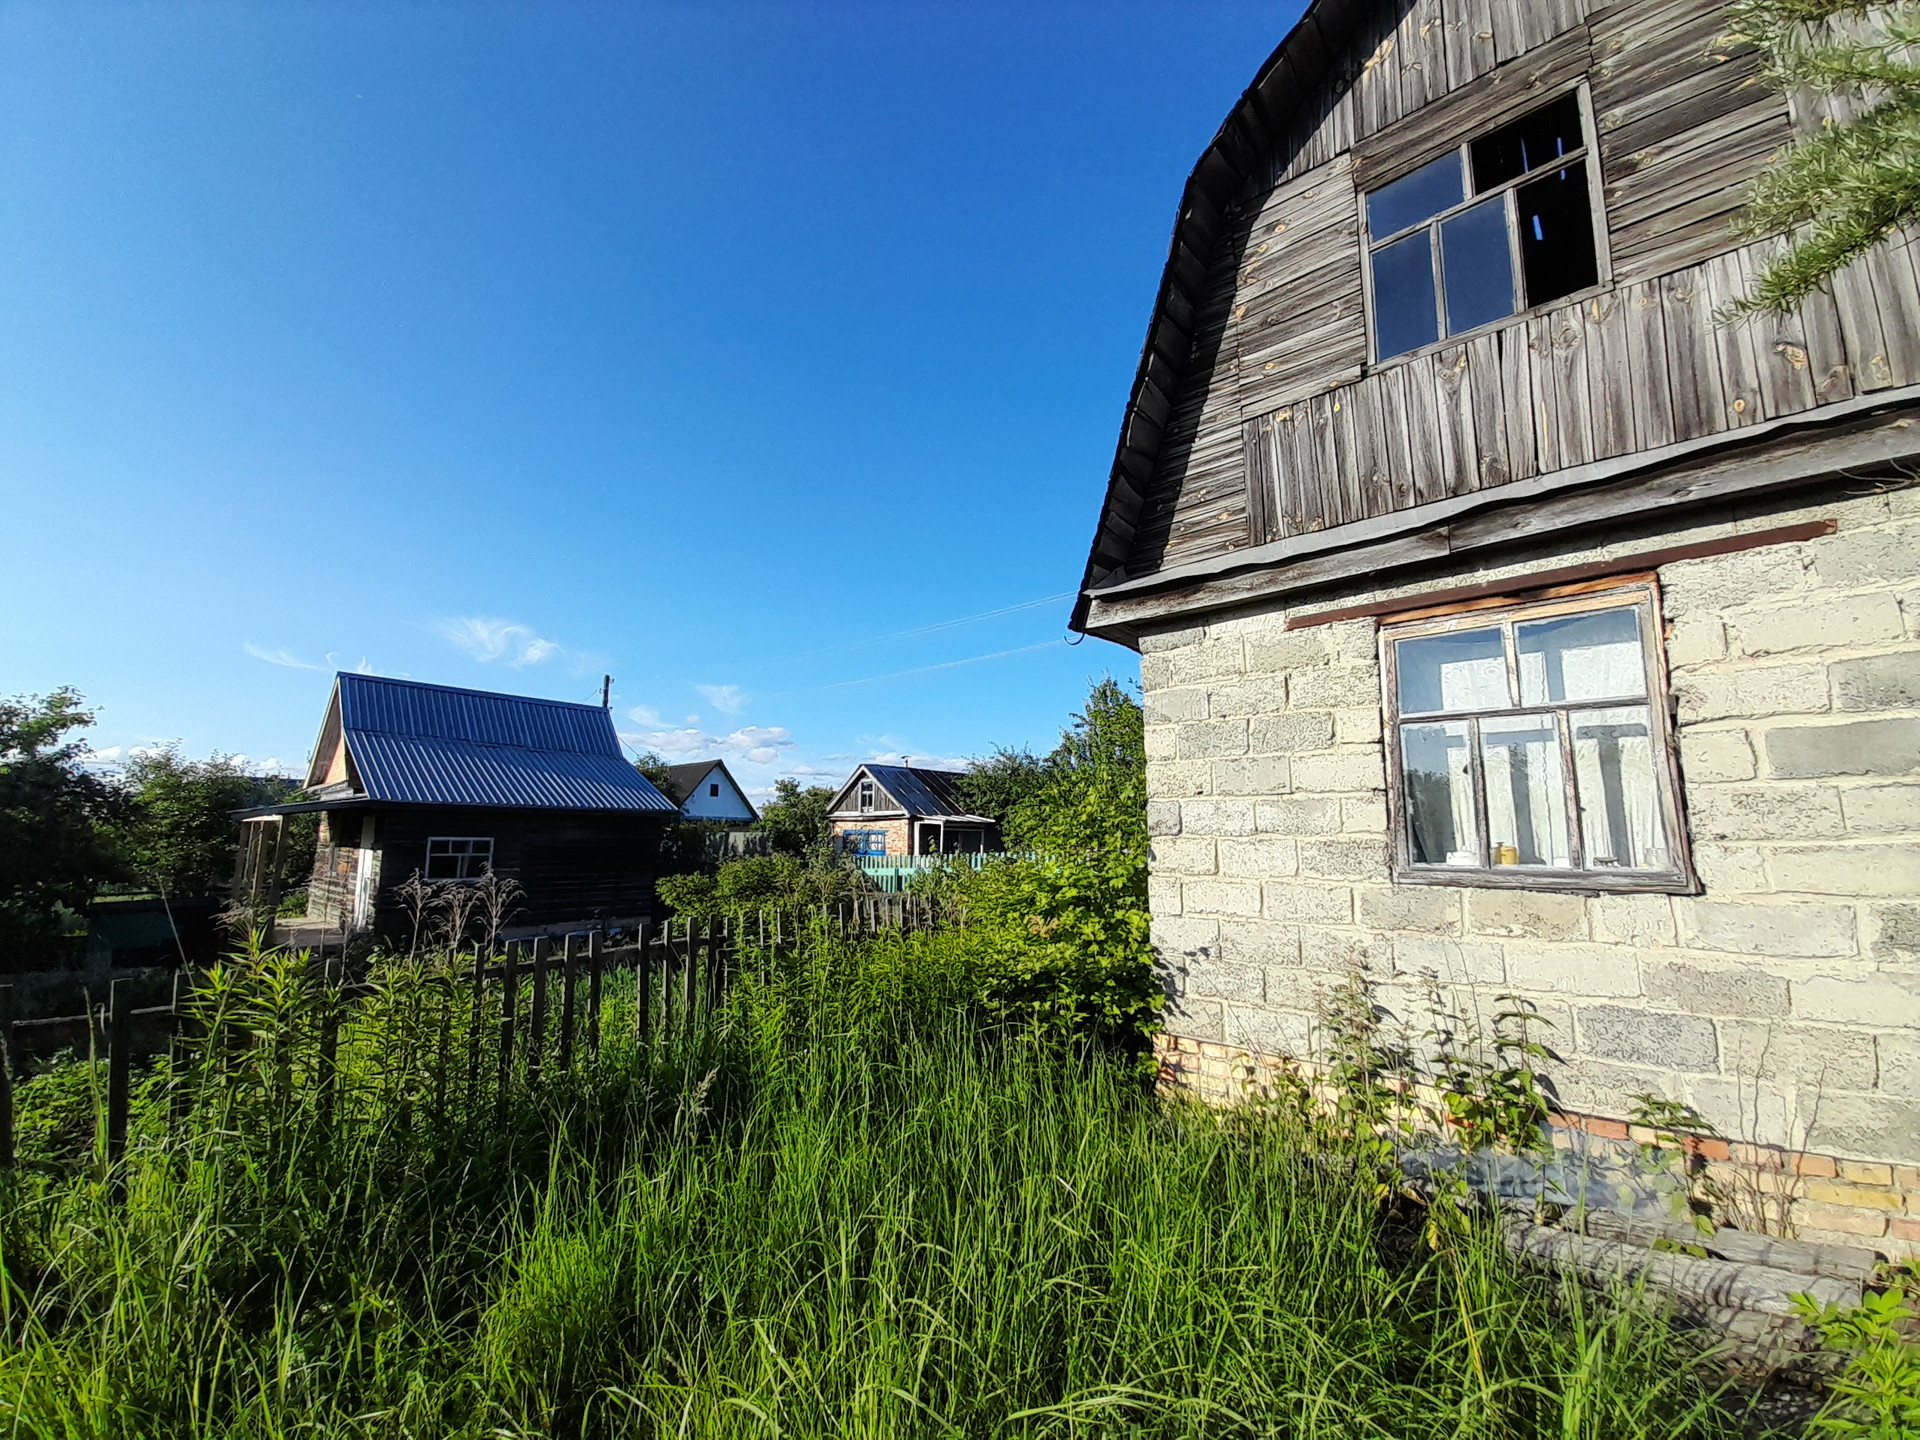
(1251, 130)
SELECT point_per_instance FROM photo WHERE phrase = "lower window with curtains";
(1531, 746)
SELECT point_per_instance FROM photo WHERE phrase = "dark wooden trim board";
(1520, 587)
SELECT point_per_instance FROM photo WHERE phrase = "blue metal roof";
(436, 745)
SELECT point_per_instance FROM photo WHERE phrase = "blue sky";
(768, 357)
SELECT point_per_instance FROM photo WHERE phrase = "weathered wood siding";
(1280, 426)
(572, 865)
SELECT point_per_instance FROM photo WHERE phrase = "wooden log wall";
(1280, 425)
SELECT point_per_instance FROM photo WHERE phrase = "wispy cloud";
(760, 744)
(487, 640)
(727, 699)
(282, 656)
(944, 665)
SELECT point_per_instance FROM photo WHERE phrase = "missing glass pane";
(1528, 143)
(1556, 234)
(1464, 671)
(1416, 197)
(1613, 763)
(1595, 656)
(1405, 315)
(1477, 265)
(1526, 791)
(1439, 779)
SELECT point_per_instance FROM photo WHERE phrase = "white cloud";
(758, 744)
(644, 715)
(282, 656)
(727, 699)
(487, 640)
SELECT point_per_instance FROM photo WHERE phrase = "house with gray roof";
(455, 784)
(907, 810)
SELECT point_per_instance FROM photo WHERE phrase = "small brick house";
(1507, 622)
(907, 810)
(455, 784)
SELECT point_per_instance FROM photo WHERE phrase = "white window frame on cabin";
(865, 792)
(463, 858)
(1587, 155)
(1582, 806)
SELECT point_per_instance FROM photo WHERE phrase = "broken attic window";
(1446, 259)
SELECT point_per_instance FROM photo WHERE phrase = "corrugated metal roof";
(921, 793)
(421, 744)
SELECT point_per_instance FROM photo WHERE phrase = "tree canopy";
(1847, 187)
(795, 820)
(56, 818)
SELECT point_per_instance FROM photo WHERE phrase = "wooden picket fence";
(682, 970)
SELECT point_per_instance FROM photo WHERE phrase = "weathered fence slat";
(119, 1066)
(479, 1018)
(327, 1068)
(537, 1020)
(690, 975)
(596, 960)
(509, 998)
(569, 984)
(643, 987)
(6, 1077)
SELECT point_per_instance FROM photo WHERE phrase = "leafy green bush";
(1063, 928)
(761, 882)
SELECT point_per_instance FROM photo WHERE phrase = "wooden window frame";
(1641, 592)
(1588, 155)
(433, 840)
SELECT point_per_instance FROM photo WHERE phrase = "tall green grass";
(848, 1208)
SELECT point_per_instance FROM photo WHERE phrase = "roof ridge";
(358, 676)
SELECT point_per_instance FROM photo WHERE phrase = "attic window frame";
(864, 794)
(1588, 154)
(1639, 592)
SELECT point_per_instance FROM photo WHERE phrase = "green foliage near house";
(1849, 186)
(994, 786)
(181, 835)
(795, 820)
(56, 820)
(846, 1207)
(761, 882)
(1063, 927)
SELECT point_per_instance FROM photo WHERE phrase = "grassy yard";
(851, 1209)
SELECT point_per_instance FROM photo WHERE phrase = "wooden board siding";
(1278, 425)
(1631, 369)
(571, 865)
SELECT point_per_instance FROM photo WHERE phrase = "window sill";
(1462, 337)
(1579, 882)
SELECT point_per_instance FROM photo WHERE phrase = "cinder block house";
(1505, 619)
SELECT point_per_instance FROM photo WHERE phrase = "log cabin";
(1509, 623)
(452, 785)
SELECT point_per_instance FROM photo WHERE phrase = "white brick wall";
(1784, 1001)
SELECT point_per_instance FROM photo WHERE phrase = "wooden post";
(6, 1077)
(697, 931)
(473, 1031)
(595, 962)
(119, 1066)
(509, 1002)
(666, 983)
(643, 987)
(177, 1052)
(569, 984)
(537, 1020)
